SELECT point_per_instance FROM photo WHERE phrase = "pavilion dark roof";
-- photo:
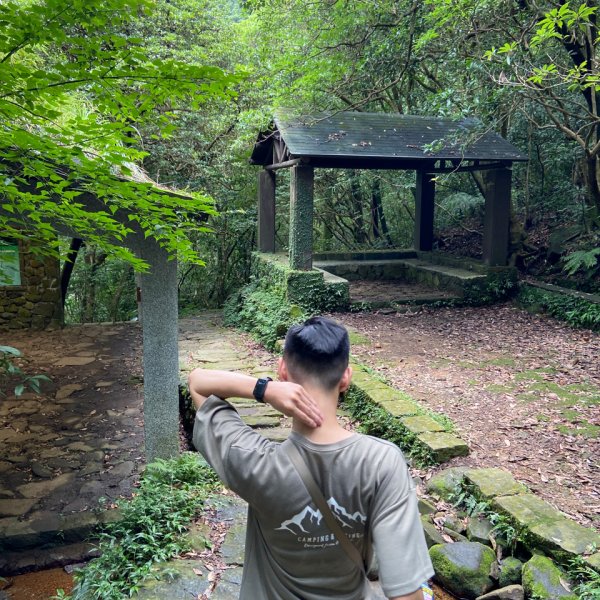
(380, 140)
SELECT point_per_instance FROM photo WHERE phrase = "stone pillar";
(424, 210)
(161, 353)
(496, 223)
(266, 211)
(301, 217)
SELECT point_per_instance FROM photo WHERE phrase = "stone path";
(61, 451)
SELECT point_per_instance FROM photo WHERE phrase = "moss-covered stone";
(563, 539)
(444, 446)
(421, 424)
(262, 420)
(175, 579)
(526, 509)
(594, 561)
(229, 585)
(446, 483)
(542, 580)
(432, 536)
(479, 529)
(490, 483)
(463, 568)
(400, 408)
(426, 507)
(510, 571)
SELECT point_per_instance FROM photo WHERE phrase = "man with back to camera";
(290, 552)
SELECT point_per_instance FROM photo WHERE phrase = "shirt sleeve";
(218, 428)
(397, 533)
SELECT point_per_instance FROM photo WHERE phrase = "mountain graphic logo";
(309, 519)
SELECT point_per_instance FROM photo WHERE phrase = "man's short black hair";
(318, 349)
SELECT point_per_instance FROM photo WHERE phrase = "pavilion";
(359, 140)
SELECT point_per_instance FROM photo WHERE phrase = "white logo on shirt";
(309, 519)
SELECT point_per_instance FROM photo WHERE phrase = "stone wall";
(36, 303)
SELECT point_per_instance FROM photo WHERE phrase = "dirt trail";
(523, 390)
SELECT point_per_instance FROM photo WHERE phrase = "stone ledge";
(422, 424)
(493, 482)
(51, 529)
(428, 432)
(443, 446)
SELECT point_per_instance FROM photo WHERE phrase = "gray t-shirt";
(290, 553)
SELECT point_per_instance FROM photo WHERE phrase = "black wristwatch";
(260, 388)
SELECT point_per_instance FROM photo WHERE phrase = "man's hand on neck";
(330, 430)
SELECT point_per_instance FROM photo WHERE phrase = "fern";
(582, 260)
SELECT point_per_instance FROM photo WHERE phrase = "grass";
(151, 529)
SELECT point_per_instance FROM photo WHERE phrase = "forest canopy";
(181, 88)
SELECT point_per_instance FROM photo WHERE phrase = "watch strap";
(260, 388)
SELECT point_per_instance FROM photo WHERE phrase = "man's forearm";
(225, 384)
(287, 397)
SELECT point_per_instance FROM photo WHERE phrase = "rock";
(41, 471)
(542, 580)
(103, 384)
(228, 587)
(432, 535)
(511, 592)
(528, 510)
(74, 361)
(463, 568)
(510, 571)
(493, 482)
(425, 507)
(79, 447)
(232, 549)
(66, 390)
(594, 561)
(44, 488)
(421, 424)
(455, 524)
(260, 420)
(446, 483)
(563, 539)
(124, 469)
(479, 530)
(175, 579)
(457, 537)
(443, 446)
(16, 508)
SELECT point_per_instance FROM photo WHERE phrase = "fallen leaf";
(198, 572)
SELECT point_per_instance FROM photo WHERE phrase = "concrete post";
(161, 353)
(266, 211)
(424, 210)
(496, 224)
(301, 217)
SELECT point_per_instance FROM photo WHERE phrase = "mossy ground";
(529, 385)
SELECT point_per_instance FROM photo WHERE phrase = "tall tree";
(75, 86)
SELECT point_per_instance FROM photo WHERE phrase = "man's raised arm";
(288, 398)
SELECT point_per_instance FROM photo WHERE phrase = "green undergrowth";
(375, 420)
(263, 311)
(151, 529)
(577, 312)
(513, 538)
